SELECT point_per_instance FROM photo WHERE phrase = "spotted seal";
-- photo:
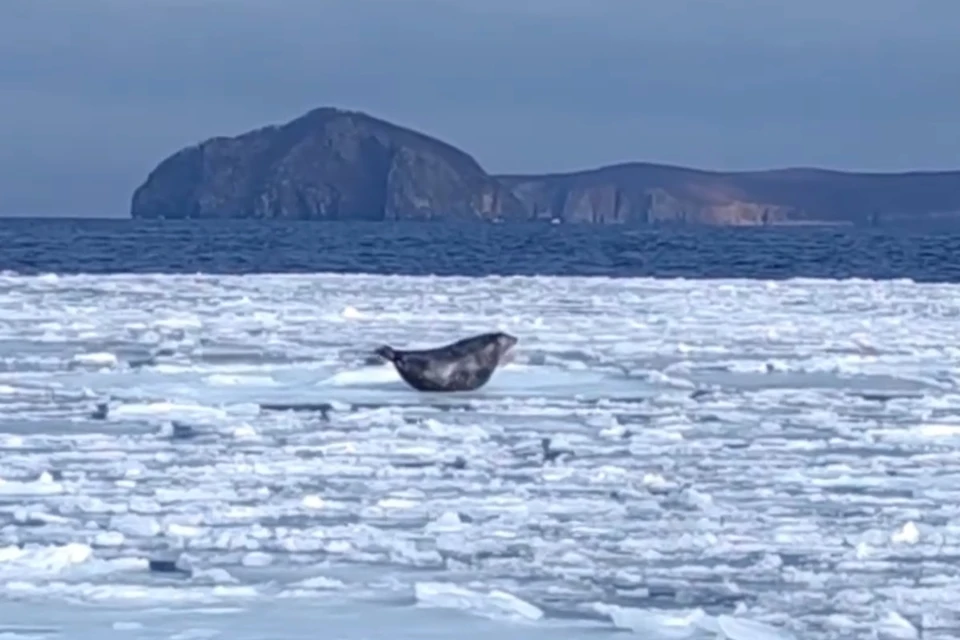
(465, 365)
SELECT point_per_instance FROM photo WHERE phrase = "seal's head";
(505, 344)
(386, 353)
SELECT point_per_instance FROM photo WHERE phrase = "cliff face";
(333, 164)
(328, 164)
(649, 194)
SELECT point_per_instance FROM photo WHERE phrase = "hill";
(327, 164)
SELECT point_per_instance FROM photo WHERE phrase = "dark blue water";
(118, 246)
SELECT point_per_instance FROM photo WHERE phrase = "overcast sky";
(95, 93)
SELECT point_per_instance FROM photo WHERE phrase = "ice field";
(194, 457)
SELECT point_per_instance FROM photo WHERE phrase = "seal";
(465, 365)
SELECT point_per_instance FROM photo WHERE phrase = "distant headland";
(333, 164)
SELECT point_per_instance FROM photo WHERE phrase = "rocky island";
(333, 164)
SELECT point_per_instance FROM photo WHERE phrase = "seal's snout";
(386, 353)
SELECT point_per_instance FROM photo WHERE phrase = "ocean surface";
(194, 447)
(238, 247)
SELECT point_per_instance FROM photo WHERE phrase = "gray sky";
(96, 92)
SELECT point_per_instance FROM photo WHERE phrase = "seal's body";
(465, 365)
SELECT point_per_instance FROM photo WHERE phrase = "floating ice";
(784, 452)
(494, 603)
(101, 359)
(44, 485)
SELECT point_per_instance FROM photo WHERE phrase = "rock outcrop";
(329, 164)
(332, 164)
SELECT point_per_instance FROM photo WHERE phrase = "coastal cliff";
(332, 164)
(655, 194)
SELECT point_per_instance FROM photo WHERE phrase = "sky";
(95, 93)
